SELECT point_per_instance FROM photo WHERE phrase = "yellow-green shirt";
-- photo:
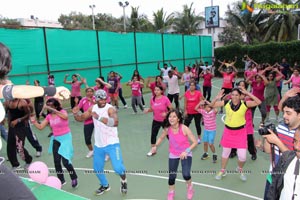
(235, 119)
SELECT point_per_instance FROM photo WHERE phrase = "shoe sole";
(205, 158)
(98, 194)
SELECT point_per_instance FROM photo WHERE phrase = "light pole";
(126, 3)
(93, 16)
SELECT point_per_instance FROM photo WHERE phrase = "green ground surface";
(147, 177)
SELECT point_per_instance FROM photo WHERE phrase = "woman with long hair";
(61, 141)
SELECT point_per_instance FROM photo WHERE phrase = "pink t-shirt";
(209, 119)
(136, 89)
(249, 73)
(192, 100)
(207, 79)
(258, 90)
(159, 107)
(295, 81)
(227, 80)
(85, 104)
(178, 142)
(75, 92)
(59, 126)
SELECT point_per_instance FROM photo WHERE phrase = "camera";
(264, 129)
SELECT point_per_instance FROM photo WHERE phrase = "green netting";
(73, 50)
(76, 51)
(206, 48)
(27, 48)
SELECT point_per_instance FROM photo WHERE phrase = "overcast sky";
(51, 9)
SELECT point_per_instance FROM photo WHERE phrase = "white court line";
(183, 181)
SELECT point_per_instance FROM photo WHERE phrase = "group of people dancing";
(98, 111)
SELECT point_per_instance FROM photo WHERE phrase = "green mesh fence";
(39, 51)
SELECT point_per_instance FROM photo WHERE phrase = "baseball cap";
(100, 94)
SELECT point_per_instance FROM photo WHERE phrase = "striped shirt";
(209, 119)
(287, 138)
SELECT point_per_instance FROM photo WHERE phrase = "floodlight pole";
(126, 3)
(93, 16)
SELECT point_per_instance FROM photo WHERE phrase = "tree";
(281, 24)
(75, 21)
(9, 22)
(231, 35)
(186, 22)
(139, 22)
(162, 22)
(246, 21)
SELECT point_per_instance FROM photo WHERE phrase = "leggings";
(57, 164)
(186, 165)
(88, 132)
(240, 152)
(197, 120)
(154, 131)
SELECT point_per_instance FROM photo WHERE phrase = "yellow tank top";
(236, 118)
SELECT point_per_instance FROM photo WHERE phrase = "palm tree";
(186, 22)
(280, 24)
(161, 21)
(246, 21)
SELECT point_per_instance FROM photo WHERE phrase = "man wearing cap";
(105, 120)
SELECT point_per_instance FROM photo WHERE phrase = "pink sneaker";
(171, 195)
(190, 192)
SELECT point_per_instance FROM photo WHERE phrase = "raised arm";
(65, 79)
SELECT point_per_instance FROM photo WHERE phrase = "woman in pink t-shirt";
(295, 78)
(159, 105)
(88, 128)
(75, 91)
(158, 82)
(180, 149)
(191, 99)
(101, 84)
(258, 85)
(136, 94)
(61, 141)
(207, 85)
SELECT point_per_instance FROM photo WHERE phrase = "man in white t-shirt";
(105, 120)
(173, 86)
(205, 67)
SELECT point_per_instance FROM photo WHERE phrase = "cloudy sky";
(51, 9)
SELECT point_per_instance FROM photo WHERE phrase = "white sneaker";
(90, 154)
(106, 158)
(243, 177)
(150, 153)
(220, 175)
(125, 107)
(38, 154)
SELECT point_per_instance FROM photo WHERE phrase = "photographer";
(285, 132)
(284, 177)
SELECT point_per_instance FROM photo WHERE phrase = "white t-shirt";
(104, 135)
(173, 86)
(165, 71)
(204, 68)
(289, 180)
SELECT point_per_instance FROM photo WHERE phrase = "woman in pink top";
(88, 128)
(191, 98)
(159, 105)
(258, 89)
(75, 91)
(158, 82)
(136, 98)
(61, 141)
(207, 85)
(180, 149)
(295, 78)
